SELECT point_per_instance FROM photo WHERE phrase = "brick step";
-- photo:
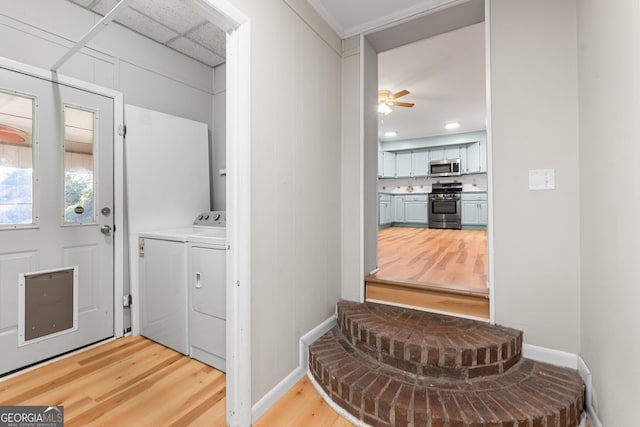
(429, 344)
(529, 394)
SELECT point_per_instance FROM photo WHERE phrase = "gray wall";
(295, 194)
(534, 124)
(609, 76)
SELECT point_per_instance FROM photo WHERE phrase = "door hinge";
(122, 130)
(127, 300)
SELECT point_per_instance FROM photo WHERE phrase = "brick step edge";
(530, 394)
(429, 344)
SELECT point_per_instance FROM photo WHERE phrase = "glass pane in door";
(16, 160)
(79, 145)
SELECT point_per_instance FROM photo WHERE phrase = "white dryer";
(165, 279)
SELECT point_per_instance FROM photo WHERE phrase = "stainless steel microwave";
(450, 167)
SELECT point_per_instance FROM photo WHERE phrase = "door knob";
(106, 230)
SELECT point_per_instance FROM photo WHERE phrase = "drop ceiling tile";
(194, 50)
(179, 15)
(144, 25)
(104, 6)
(212, 37)
(83, 3)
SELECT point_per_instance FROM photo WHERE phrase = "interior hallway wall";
(534, 126)
(295, 194)
(609, 76)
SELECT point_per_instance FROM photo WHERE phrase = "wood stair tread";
(482, 293)
(530, 393)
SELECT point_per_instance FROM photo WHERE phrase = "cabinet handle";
(198, 284)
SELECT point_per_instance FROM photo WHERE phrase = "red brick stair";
(391, 366)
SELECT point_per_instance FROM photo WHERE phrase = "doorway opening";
(432, 182)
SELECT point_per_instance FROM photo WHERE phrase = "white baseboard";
(586, 376)
(277, 392)
(548, 355)
(307, 339)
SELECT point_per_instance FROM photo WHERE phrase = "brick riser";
(530, 394)
(429, 344)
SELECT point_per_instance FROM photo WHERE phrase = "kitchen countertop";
(423, 191)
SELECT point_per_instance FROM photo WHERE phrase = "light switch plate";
(542, 179)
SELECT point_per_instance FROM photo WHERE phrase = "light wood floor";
(134, 381)
(432, 256)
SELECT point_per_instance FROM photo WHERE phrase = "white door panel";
(67, 149)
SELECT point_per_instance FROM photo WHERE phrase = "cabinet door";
(385, 212)
(473, 158)
(420, 163)
(469, 212)
(415, 212)
(398, 209)
(389, 164)
(403, 164)
(436, 153)
(483, 214)
(452, 152)
(380, 164)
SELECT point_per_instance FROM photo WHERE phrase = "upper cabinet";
(415, 163)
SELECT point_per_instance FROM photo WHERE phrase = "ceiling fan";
(386, 100)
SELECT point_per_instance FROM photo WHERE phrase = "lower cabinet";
(474, 209)
(403, 209)
(385, 209)
(415, 209)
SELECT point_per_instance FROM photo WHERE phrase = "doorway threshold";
(456, 300)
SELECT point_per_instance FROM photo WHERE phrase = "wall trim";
(586, 376)
(549, 355)
(277, 392)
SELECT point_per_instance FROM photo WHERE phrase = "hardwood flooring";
(128, 381)
(432, 269)
(433, 256)
(134, 381)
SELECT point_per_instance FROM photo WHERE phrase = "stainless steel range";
(444, 205)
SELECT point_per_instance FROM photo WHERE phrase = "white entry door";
(56, 219)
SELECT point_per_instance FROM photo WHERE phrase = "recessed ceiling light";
(391, 133)
(452, 125)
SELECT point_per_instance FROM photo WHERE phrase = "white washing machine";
(165, 277)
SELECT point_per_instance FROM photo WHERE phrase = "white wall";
(295, 143)
(609, 76)
(219, 139)
(535, 122)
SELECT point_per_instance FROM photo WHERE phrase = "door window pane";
(79, 191)
(16, 160)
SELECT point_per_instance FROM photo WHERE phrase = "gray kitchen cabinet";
(420, 163)
(403, 165)
(398, 209)
(473, 164)
(474, 208)
(388, 164)
(380, 165)
(436, 153)
(452, 152)
(415, 209)
(385, 209)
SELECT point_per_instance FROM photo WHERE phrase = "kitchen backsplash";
(472, 182)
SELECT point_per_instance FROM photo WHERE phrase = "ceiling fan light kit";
(386, 100)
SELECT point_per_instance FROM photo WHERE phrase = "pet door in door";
(48, 304)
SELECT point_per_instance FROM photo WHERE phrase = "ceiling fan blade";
(403, 104)
(401, 93)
